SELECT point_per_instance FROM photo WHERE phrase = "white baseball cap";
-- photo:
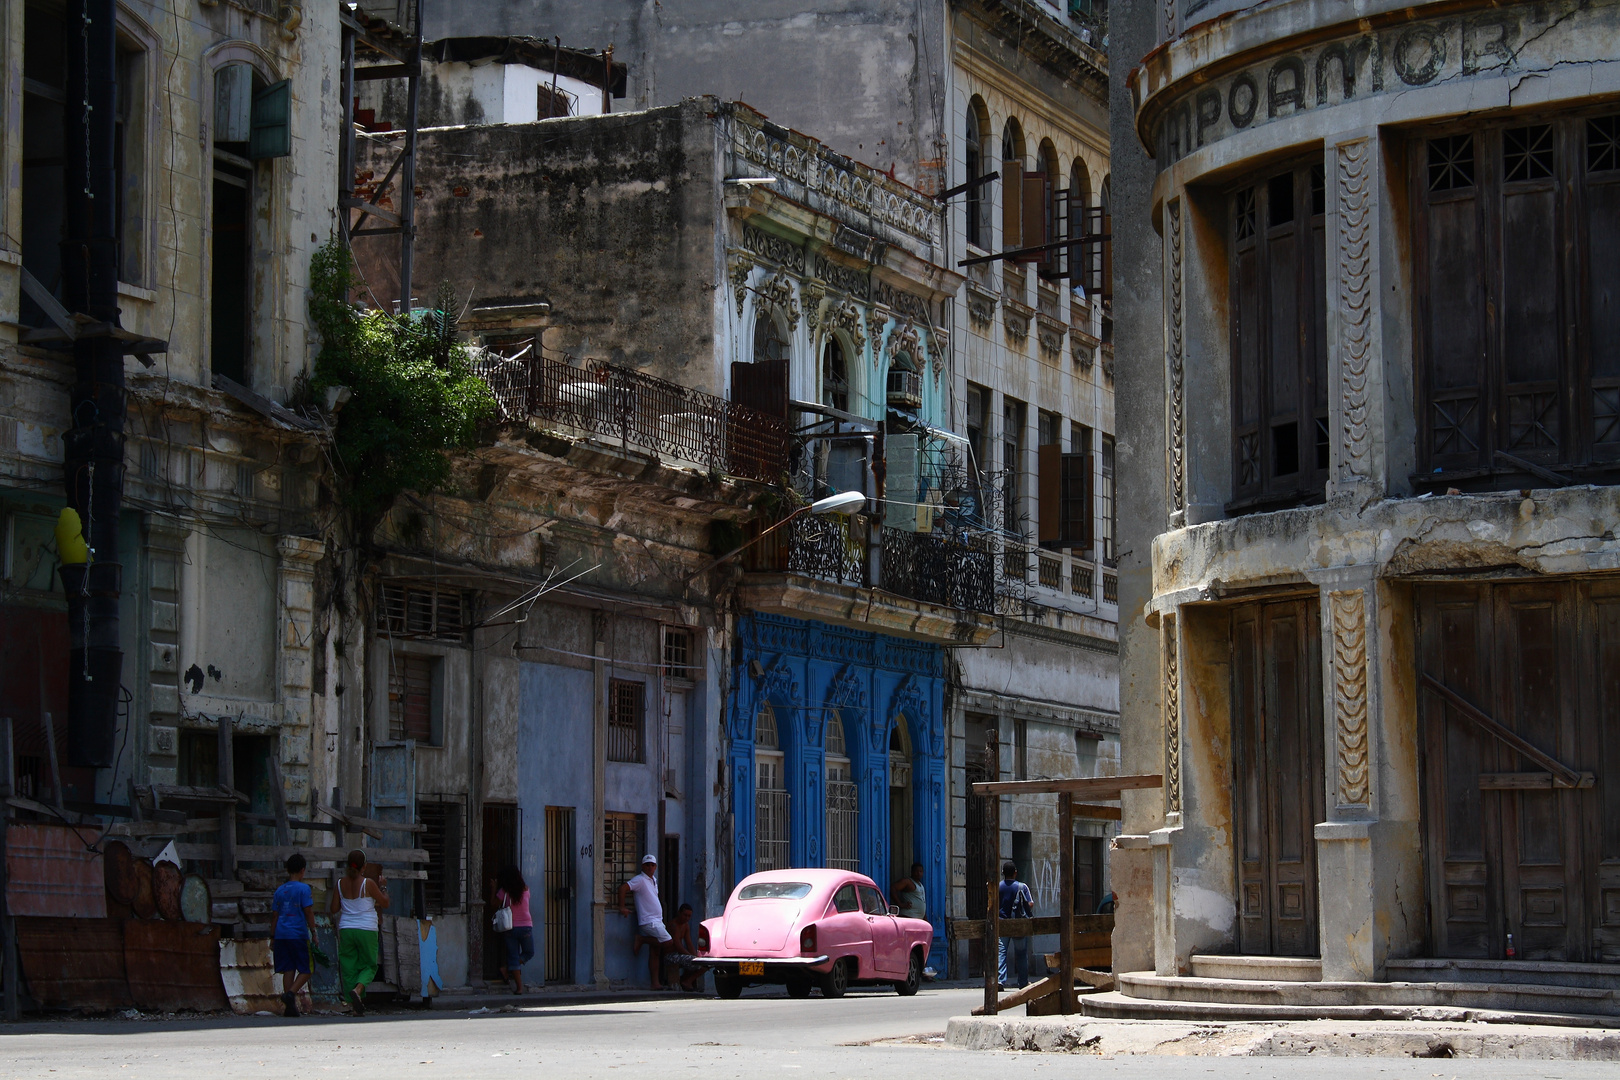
(649, 858)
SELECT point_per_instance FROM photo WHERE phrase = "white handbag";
(502, 922)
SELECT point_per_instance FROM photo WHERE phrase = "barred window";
(415, 611)
(627, 720)
(415, 698)
(677, 653)
(1107, 510)
(444, 843)
(624, 841)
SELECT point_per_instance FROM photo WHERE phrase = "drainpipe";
(93, 446)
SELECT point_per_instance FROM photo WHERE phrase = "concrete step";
(1529, 972)
(1117, 1006)
(1262, 968)
(1506, 997)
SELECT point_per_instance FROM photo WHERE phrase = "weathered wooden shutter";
(761, 385)
(1012, 214)
(1049, 487)
(1033, 210)
(271, 125)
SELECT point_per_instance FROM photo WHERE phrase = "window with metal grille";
(624, 842)
(444, 841)
(678, 653)
(1278, 332)
(417, 611)
(843, 802)
(770, 796)
(414, 698)
(1518, 326)
(627, 720)
(1107, 520)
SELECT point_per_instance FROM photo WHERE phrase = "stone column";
(1175, 429)
(1353, 947)
(297, 557)
(1356, 184)
(165, 550)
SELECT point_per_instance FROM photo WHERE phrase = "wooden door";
(1507, 851)
(1277, 791)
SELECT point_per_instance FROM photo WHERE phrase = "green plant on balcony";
(412, 395)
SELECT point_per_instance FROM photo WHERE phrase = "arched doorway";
(843, 799)
(901, 825)
(770, 795)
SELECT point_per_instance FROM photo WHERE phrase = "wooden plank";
(1098, 813)
(278, 853)
(1469, 711)
(1530, 781)
(163, 828)
(1066, 899)
(1085, 787)
(973, 929)
(1034, 991)
(1100, 980)
(990, 928)
(360, 824)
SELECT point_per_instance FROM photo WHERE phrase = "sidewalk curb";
(1329, 1038)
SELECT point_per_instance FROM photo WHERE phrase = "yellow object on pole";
(70, 545)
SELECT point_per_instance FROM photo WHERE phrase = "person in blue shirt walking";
(294, 905)
(1016, 903)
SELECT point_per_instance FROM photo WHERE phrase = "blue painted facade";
(875, 681)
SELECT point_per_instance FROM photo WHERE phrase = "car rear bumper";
(772, 968)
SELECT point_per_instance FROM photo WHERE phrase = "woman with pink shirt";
(512, 892)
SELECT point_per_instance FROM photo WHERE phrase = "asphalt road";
(758, 1036)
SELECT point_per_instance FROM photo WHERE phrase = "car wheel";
(913, 977)
(727, 986)
(836, 981)
(798, 987)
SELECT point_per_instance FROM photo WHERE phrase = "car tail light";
(807, 939)
(703, 939)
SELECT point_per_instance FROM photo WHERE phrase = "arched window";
(901, 839)
(834, 375)
(1042, 185)
(978, 123)
(770, 795)
(1080, 222)
(843, 800)
(769, 341)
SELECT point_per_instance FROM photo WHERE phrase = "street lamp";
(844, 502)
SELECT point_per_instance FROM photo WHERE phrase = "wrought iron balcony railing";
(935, 568)
(638, 410)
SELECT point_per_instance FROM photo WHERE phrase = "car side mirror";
(894, 909)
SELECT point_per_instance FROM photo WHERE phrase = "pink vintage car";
(808, 928)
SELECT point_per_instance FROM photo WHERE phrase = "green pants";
(357, 958)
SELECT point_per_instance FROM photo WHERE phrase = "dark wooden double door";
(1507, 852)
(1277, 786)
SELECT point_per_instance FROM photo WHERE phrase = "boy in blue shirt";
(294, 905)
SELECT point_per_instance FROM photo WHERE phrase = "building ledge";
(864, 609)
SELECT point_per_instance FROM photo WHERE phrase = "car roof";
(820, 879)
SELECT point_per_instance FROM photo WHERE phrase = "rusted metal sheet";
(174, 965)
(246, 970)
(145, 903)
(120, 871)
(52, 873)
(167, 882)
(74, 963)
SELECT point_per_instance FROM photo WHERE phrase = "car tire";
(729, 987)
(836, 981)
(913, 977)
(798, 987)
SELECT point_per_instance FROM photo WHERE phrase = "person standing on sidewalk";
(294, 905)
(1016, 903)
(511, 891)
(649, 916)
(356, 901)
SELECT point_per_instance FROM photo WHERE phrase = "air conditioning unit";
(905, 388)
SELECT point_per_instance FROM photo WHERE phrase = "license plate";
(751, 967)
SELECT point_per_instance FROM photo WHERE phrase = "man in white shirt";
(649, 916)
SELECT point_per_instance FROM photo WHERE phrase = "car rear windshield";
(775, 890)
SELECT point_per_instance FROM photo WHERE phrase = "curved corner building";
(1378, 655)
